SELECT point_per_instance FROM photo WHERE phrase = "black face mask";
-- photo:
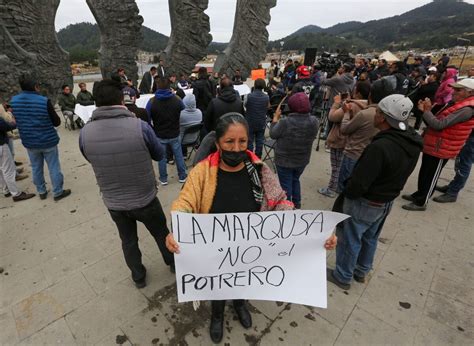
(233, 158)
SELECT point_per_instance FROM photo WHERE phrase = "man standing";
(161, 72)
(341, 83)
(377, 179)
(146, 84)
(164, 110)
(257, 106)
(227, 101)
(121, 148)
(36, 118)
(7, 164)
(447, 132)
(204, 90)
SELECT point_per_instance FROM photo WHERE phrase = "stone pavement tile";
(96, 319)
(450, 312)
(300, 326)
(395, 301)
(457, 266)
(433, 333)
(31, 254)
(363, 328)
(234, 333)
(109, 240)
(14, 288)
(414, 266)
(57, 333)
(147, 328)
(42, 308)
(421, 237)
(270, 309)
(8, 334)
(86, 231)
(459, 238)
(158, 276)
(117, 337)
(107, 272)
(72, 260)
(457, 289)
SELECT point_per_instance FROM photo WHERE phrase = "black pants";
(430, 171)
(154, 219)
(218, 307)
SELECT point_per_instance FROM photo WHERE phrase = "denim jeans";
(290, 182)
(51, 156)
(257, 136)
(357, 237)
(175, 145)
(347, 166)
(462, 167)
(154, 219)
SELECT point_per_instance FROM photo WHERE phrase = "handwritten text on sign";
(276, 256)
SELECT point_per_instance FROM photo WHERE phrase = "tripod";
(323, 121)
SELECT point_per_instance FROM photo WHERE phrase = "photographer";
(341, 83)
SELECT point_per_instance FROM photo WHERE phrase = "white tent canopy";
(389, 56)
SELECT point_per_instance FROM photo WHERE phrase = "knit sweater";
(199, 190)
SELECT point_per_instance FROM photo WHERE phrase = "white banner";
(276, 256)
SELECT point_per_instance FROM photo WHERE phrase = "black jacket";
(385, 165)
(165, 111)
(203, 89)
(4, 128)
(226, 102)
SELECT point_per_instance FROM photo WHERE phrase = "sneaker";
(8, 194)
(64, 194)
(442, 189)
(414, 207)
(327, 192)
(182, 181)
(445, 198)
(18, 163)
(408, 198)
(23, 197)
(43, 195)
(163, 183)
(20, 177)
(331, 278)
(170, 162)
(140, 283)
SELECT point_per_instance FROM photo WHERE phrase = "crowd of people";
(373, 149)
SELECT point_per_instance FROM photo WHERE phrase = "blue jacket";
(33, 120)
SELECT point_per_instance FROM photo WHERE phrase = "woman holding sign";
(231, 180)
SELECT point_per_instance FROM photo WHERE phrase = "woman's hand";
(171, 244)
(425, 105)
(331, 242)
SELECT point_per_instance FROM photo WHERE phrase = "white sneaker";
(163, 183)
(327, 192)
(182, 181)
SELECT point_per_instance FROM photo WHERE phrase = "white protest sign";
(277, 256)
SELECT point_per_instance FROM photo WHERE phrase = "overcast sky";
(287, 17)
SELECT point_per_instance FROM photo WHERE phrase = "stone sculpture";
(248, 44)
(189, 35)
(120, 35)
(28, 45)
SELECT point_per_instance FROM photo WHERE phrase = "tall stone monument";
(248, 44)
(189, 35)
(28, 45)
(120, 35)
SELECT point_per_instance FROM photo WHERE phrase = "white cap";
(466, 83)
(396, 109)
(433, 69)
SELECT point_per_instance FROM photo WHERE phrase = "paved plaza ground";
(64, 280)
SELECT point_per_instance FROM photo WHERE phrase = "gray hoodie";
(190, 115)
(339, 84)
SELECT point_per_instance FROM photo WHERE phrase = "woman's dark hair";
(228, 119)
(108, 92)
(202, 72)
(363, 88)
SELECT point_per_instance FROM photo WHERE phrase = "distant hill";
(434, 25)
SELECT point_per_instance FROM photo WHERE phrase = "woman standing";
(231, 180)
(294, 136)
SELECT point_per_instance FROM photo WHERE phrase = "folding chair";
(191, 138)
(269, 149)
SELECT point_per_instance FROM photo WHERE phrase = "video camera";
(331, 63)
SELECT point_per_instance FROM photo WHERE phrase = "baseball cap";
(433, 69)
(466, 83)
(303, 71)
(396, 109)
